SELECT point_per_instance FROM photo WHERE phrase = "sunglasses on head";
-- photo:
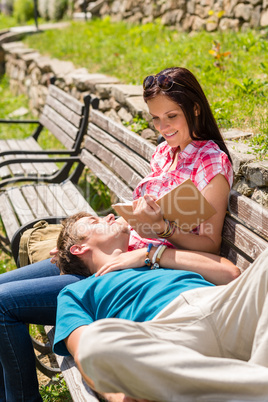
(163, 82)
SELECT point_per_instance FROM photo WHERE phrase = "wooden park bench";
(119, 158)
(66, 118)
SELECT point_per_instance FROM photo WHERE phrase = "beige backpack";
(36, 243)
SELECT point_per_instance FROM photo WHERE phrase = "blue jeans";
(27, 295)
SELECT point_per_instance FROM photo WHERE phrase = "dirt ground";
(49, 361)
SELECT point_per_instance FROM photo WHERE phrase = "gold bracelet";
(169, 231)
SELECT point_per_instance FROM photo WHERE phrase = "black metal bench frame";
(67, 119)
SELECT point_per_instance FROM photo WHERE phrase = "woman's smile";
(170, 121)
(170, 135)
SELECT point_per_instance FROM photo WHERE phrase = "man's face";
(102, 232)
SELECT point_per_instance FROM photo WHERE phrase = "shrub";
(43, 9)
(6, 6)
(57, 8)
(23, 10)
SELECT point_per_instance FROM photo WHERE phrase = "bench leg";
(50, 372)
(4, 245)
(44, 349)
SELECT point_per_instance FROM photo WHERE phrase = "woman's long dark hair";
(190, 97)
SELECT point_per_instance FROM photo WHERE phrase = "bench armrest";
(41, 152)
(39, 160)
(8, 121)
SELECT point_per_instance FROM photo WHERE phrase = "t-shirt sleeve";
(211, 164)
(71, 314)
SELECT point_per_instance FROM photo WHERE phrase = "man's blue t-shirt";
(133, 294)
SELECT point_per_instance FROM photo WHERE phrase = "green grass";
(56, 391)
(8, 104)
(236, 84)
(9, 22)
(6, 22)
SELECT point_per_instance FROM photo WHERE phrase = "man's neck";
(99, 258)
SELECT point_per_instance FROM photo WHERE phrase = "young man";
(164, 334)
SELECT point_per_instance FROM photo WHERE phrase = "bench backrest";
(65, 117)
(245, 231)
(120, 158)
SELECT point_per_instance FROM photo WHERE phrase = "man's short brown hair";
(66, 261)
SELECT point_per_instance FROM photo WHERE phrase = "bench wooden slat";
(4, 171)
(31, 144)
(115, 163)
(15, 168)
(69, 198)
(79, 201)
(8, 216)
(34, 201)
(42, 201)
(64, 111)
(141, 147)
(65, 202)
(32, 169)
(44, 169)
(114, 183)
(68, 128)
(59, 134)
(244, 239)
(28, 168)
(20, 205)
(233, 255)
(52, 204)
(66, 99)
(134, 160)
(252, 214)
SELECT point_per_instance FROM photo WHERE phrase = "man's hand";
(54, 254)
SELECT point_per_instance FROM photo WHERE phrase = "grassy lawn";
(9, 22)
(232, 68)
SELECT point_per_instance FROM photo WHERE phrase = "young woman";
(193, 149)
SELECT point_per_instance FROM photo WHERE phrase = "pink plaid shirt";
(200, 161)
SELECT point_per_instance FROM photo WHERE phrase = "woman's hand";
(149, 215)
(54, 254)
(119, 261)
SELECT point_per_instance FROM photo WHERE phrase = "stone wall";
(186, 15)
(30, 73)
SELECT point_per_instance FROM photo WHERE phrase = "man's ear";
(79, 249)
